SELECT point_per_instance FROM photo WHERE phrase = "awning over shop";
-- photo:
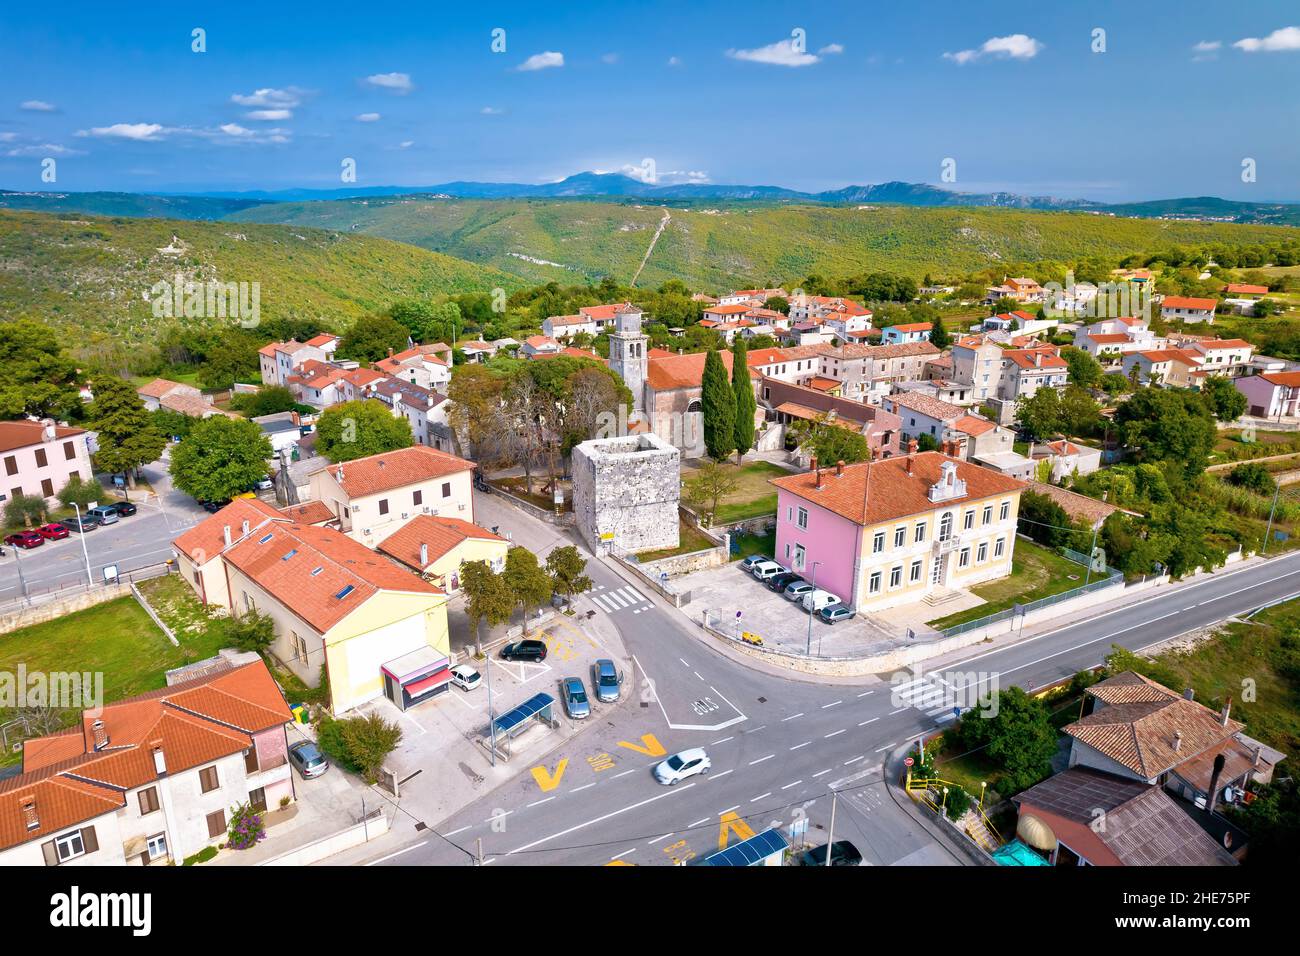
(425, 684)
(415, 664)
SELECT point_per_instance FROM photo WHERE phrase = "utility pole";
(830, 833)
(90, 578)
(478, 861)
(22, 579)
(492, 719)
(1277, 490)
(813, 582)
(1091, 551)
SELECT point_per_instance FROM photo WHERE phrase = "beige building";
(437, 547)
(373, 496)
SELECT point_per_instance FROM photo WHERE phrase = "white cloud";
(269, 115)
(542, 61)
(491, 111)
(270, 97)
(142, 132)
(44, 149)
(676, 176)
(609, 58)
(1281, 40)
(674, 61)
(404, 144)
(37, 106)
(780, 53)
(368, 117)
(8, 137)
(1206, 50)
(830, 49)
(1017, 46)
(399, 83)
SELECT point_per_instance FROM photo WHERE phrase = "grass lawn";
(745, 545)
(753, 497)
(115, 638)
(691, 539)
(518, 487)
(1036, 573)
(1229, 447)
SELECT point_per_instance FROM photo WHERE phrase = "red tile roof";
(396, 469)
(308, 512)
(681, 371)
(325, 338)
(158, 388)
(1283, 379)
(1244, 288)
(207, 539)
(879, 491)
(1188, 302)
(22, 433)
(441, 535)
(974, 425)
(914, 327)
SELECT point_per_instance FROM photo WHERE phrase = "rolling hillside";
(91, 276)
(738, 244)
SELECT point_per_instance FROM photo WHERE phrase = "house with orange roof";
(604, 315)
(1025, 371)
(359, 384)
(371, 496)
(279, 360)
(436, 547)
(343, 612)
(562, 327)
(150, 780)
(751, 297)
(1067, 457)
(1177, 368)
(1273, 395)
(536, 345)
(906, 332)
(154, 392)
(428, 366)
(317, 383)
(198, 550)
(1189, 309)
(1228, 357)
(477, 350)
(890, 532)
(327, 342)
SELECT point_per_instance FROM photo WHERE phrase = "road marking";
(538, 803)
(683, 660)
(761, 759)
(835, 734)
(832, 704)
(730, 823)
(855, 759)
(657, 839)
(723, 774)
(791, 717)
(398, 853)
(755, 730)
(804, 744)
(617, 856)
(899, 711)
(722, 741)
(697, 674)
(548, 781)
(867, 693)
(723, 813)
(692, 826)
(671, 791)
(886, 747)
(865, 722)
(650, 746)
(623, 774)
(789, 785)
(761, 796)
(583, 787)
(820, 772)
(454, 832)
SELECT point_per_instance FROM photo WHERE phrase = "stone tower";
(627, 352)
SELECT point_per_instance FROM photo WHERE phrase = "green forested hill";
(91, 276)
(737, 244)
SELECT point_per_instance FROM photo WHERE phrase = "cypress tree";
(718, 405)
(745, 404)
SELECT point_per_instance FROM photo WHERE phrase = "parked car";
(606, 680)
(524, 651)
(768, 569)
(25, 540)
(843, 853)
(52, 531)
(264, 483)
(834, 613)
(308, 759)
(818, 599)
(576, 704)
(780, 582)
(124, 509)
(748, 563)
(104, 514)
(465, 677)
(214, 506)
(682, 765)
(795, 590)
(86, 522)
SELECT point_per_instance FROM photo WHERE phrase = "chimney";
(100, 734)
(839, 468)
(1178, 740)
(390, 351)
(1227, 709)
(1219, 761)
(226, 534)
(245, 526)
(1257, 755)
(424, 554)
(1038, 358)
(817, 472)
(30, 819)
(1188, 694)
(159, 762)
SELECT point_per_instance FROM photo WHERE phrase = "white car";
(814, 601)
(465, 677)
(682, 765)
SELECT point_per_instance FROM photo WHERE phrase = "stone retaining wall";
(38, 614)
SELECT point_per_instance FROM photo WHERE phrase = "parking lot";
(743, 604)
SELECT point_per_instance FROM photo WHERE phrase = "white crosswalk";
(626, 598)
(929, 694)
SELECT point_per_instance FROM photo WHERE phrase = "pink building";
(40, 457)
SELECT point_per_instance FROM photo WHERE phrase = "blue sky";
(415, 94)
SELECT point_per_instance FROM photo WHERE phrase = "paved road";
(144, 538)
(778, 744)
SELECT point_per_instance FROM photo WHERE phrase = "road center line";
(538, 803)
(722, 741)
(836, 733)
(899, 711)
(585, 786)
(886, 747)
(761, 796)
(820, 772)
(723, 774)
(600, 819)
(728, 810)
(657, 839)
(761, 759)
(789, 785)
(871, 721)
(832, 704)
(804, 744)
(623, 854)
(791, 717)
(415, 846)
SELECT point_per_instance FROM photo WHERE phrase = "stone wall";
(50, 610)
(626, 492)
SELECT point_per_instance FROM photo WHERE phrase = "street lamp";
(813, 582)
(81, 529)
(983, 784)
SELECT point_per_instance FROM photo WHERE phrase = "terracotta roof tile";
(440, 534)
(396, 469)
(22, 433)
(207, 539)
(1188, 302)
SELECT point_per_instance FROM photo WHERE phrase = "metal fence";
(1106, 577)
(33, 596)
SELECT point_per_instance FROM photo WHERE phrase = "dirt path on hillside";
(663, 223)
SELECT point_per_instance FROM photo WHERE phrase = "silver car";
(606, 680)
(576, 704)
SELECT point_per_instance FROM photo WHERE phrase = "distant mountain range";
(619, 187)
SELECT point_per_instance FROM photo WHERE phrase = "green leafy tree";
(81, 492)
(777, 303)
(128, 436)
(220, 458)
(1017, 736)
(1079, 412)
(718, 405)
(487, 597)
(1040, 413)
(38, 379)
(829, 441)
(529, 584)
(359, 744)
(267, 400)
(746, 405)
(957, 801)
(1084, 370)
(1254, 476)
(1222, 399)
(926, 442)
(25, 511)
(1046, 522)
(359, 428)
(251, 631)
(370, 338)
(1168, 425)
(940, 337)
(567, 569)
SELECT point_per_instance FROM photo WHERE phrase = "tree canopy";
(220, 458)
(359, 428)
(718, 406)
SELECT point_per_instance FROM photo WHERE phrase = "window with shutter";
(208, 779)
(216, 823)
(250, 760)
(41, 460)
(257, 799)
(148, 800)
(11, 465)
(69, 450)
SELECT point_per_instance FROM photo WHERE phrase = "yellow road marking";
(731, 823)
(601, 762)
(545, 779)
(650, 746)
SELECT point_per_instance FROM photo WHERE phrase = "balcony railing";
(944, 545)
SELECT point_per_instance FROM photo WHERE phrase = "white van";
(814, 601)
(767, 569)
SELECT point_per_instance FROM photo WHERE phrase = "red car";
(52, 531)
(25, 539)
